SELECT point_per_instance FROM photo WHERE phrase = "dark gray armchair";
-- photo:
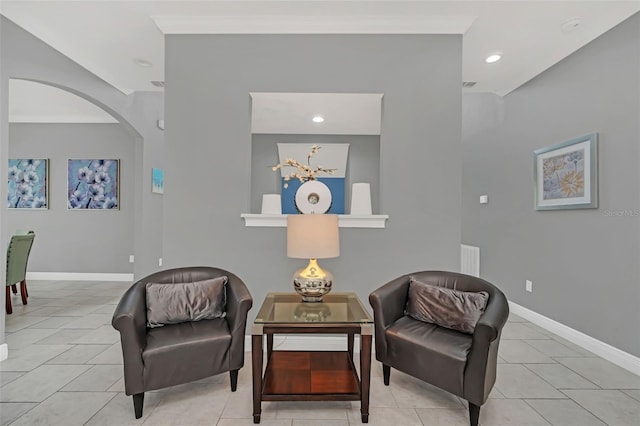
(165, 356)
(460, 363)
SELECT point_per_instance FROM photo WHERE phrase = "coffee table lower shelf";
(310, 376)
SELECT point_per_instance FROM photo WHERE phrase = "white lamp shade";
(313, 236)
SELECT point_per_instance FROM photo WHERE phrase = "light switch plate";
(484, 199)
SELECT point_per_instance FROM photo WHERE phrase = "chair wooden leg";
(386, 372)
(23, 291)
(233, 374)
(14, 288)
(25, 288)
(138, 403)
(474, 414)
(7, 303)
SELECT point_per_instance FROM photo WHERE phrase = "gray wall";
(4, 153)
(208, 142)
(73, 240)
(363, 164)
(583, 263)
(24, 56)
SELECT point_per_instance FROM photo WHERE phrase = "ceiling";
(293, 113)
(113, 39)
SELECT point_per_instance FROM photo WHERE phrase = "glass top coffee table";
(311, 375)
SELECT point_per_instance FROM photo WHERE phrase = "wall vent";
(158, 83)
(470, 260)
(469, 83)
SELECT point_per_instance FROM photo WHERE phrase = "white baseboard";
(4, 352)
(78, 276)
(603, 350)
(292, 342)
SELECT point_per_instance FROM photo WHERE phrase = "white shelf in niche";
(344, 220)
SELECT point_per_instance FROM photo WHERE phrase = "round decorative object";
(313, 197)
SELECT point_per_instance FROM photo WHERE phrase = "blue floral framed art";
(566, 174)
(28, 184)
(93, 184)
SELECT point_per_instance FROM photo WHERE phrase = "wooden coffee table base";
(310, 375)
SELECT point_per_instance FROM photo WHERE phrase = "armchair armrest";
(480, 372)
(388, 303)
(130, 319)
(239, 301)
(493, 318)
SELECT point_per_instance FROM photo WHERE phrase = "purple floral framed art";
(28, 184)
(93, 184)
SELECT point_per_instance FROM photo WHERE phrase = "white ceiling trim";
(248, 24)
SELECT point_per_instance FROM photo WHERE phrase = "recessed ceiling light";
(493, 58)
(142, 63)
(317, 119)
(571, 24)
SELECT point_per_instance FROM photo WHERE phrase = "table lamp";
(313, 237)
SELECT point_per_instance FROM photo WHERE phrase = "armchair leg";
(233, 374)
(386, 372)
(23, 291)
(474, 414)
(138, 403)
(7, 302)
(14, 288)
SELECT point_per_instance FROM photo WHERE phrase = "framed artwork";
(93, 184)
(157, 181)
(566, 174)
(28, 184)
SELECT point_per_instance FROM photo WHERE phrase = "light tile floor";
(65, 368)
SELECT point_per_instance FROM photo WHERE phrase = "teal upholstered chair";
(17, 257)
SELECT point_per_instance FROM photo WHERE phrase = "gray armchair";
(165, 356)
(460, 363)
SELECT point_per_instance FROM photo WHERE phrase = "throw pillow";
(182, 302)
(446, 307)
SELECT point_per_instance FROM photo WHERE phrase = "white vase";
(313, 197)
(361, 199)
(271, 204)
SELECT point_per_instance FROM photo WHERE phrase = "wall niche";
(281, 118)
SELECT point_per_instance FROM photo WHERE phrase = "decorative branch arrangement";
(304, 172)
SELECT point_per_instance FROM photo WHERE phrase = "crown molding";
(290, 24)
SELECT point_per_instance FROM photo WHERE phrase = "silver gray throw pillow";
(446, 307)
(182, 302)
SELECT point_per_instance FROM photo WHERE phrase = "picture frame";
(157, 181)
(93, 184)
(566, 174)
(28, 183)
